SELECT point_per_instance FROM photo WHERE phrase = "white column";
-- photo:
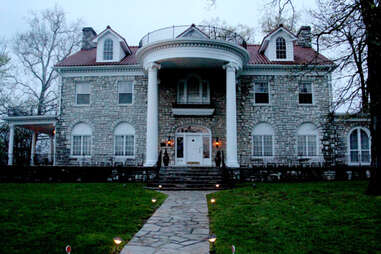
(33, 148)
(54, 146)
(10, 144)
(231, 116)
(152, 137)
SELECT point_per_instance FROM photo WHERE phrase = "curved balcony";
(208, 32)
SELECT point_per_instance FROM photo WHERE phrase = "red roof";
(301, 56)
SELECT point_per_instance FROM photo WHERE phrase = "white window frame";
(81, 130)
(359, 146)
(184, 82)
(312, 94)
(268, 93)
(129, 131)
(276, 48)
(132, 92)
(263, 129)
(109, 51)
(77, 93)
(305, 130)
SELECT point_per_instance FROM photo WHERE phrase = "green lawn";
(323, 217)
(44, 218)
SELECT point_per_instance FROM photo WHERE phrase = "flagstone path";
(179, 226)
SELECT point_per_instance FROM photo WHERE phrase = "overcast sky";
(134, 18)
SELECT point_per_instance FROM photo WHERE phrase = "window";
(82, 93)
(281, 48)
(261, 92)
(263, 140)
(124, 140)
(125, 90)
(307, 140)
(359, 146)
(81, 140)
(193, 91)
(108, 49)
(305, 93)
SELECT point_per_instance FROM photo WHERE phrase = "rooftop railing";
(175, 32)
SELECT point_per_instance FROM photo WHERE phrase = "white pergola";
(37, 124)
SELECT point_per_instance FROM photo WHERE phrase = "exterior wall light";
(217, 143)
(169, 141)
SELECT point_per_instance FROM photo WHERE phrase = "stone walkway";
(179, 226)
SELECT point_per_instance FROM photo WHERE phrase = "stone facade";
(103, 115)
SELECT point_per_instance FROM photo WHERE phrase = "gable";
(194, 33)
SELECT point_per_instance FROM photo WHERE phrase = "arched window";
(193, 90)
(81, 140)
(263, 136)
(281, 48)
(307, 140)
(124, 140)
(108, 49)
(359, 146)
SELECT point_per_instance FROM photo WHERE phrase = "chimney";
(88, 34)
(304, 37)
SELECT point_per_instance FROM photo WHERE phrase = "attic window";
(280, 48)
(107, 49)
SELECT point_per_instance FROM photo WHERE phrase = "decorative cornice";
(151, 66)
(198, 43)
(101, 68)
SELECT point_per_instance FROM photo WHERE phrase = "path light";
(160, 186)
(154, 200)
(117, 240)
(213, 200)
(217, 185)
(212, 239)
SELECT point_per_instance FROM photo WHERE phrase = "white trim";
(101, 70)
(358, 128)
(76, 94)
(268, 93)
(193, 111)
(263, 129)
(312, 94)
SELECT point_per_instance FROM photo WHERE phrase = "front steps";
(188, 178)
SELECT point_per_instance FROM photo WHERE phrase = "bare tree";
(49, 40)
(246, 32)
(286, 15)
(348, 43)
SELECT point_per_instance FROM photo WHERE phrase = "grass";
(44, 218)
(322, 217)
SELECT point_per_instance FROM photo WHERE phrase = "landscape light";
(217, 185)
(213, 200)
(117, 240)
(160, 186)
(154, 200)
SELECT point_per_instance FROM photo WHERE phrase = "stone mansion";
(191, 91)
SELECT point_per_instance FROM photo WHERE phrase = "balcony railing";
(174, 32)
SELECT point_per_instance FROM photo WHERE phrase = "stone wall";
(283, 113)
(103, 114)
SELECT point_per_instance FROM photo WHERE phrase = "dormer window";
(280, 48)
(108, 49)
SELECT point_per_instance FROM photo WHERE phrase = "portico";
(191, 50)
(37, 124)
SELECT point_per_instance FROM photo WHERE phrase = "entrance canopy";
(39, 124)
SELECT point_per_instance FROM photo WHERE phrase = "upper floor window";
(261, 92)
(82, 91)
(359, 146)
(307, 136)
(124, 140)
(81, 140)
(305, 93)
(281, 48)
(263, 140)
(125, 92)
(193, 90)
(108, 49)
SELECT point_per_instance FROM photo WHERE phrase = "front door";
(193, 151)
